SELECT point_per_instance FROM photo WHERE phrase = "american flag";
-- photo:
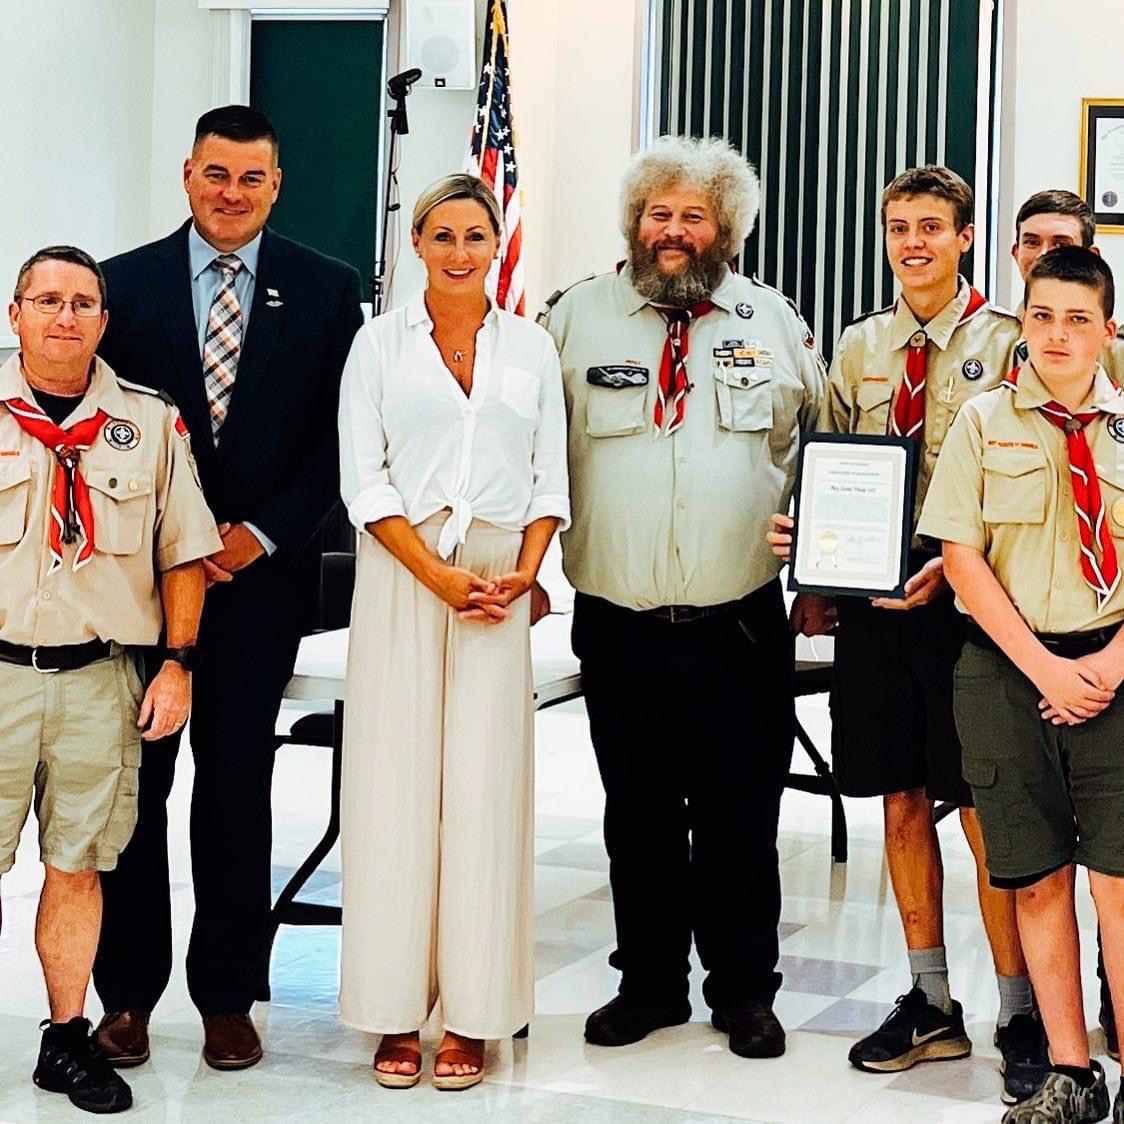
(492, 156)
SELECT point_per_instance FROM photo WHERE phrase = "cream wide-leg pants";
(437, 801)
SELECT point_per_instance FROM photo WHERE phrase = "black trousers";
(692, 725)
(249, 637)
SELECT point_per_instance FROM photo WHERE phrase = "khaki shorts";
(69, 740)
(1047, 795)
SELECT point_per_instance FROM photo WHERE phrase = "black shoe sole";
(775, 1050)
(48, 1086)
(677, 1018)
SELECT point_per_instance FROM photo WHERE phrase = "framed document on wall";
(854, 515)
(1102, 161)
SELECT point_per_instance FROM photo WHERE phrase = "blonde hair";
(460, 185)
(709, 166)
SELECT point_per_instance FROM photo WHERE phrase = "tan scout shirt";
(680, 520)
(869, 365)
(149, 515)
(1002, 487)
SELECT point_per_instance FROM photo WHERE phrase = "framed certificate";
(854, 515)
(1102, 161)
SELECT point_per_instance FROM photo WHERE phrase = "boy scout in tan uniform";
(907, 371)
(1028, 499)
(103, 528)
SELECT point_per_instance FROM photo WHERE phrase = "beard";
(701, 276)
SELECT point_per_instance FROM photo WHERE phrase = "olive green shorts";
(1047, 796)
(69, 740)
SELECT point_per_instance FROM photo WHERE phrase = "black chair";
(813, 677)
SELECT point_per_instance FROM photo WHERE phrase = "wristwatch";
(188, 658)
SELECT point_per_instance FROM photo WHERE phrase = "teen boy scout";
(686, 389)
(906, 371)
(1029, 500)
(102, 529)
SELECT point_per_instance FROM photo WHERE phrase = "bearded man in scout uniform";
(687, 387)
(906, 371)
(103, 529)
(1028, 499)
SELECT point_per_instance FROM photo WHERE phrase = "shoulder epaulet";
(163, 395)
(1002, 311)
(755, 280)
(557, 295)
(867, 315)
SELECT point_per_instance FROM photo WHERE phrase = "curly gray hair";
(709, 166)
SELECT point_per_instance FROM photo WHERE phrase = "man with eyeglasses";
(103, 532)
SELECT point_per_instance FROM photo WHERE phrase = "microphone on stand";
(399, 86)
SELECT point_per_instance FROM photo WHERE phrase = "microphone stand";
(399, 126)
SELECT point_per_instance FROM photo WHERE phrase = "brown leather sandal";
(454, 1056)
(398, 1054)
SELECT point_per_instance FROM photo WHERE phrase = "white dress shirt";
(413, 443)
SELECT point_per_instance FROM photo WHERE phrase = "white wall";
(76, 84)
(1055, 55)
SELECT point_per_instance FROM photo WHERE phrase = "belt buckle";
(41, 670)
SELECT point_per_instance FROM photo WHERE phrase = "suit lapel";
(171, 285)
(267, 317)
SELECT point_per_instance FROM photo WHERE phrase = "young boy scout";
(906, 371)
(102, 531)
(1046, 221)
(1028, 499)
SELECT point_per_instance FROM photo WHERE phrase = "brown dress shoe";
(123, 1038)
(231, 1042)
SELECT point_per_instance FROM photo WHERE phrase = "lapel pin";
(274, 298)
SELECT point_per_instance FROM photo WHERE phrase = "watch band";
(187, 657)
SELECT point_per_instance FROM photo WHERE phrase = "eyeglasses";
(52, 305)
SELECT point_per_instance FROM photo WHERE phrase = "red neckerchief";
(908, 416)
(671, 393)
(1092, 528)
(72, 517)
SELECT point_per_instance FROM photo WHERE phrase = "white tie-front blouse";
(412, 443)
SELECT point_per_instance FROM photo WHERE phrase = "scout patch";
(1118, 511)
(972, 369)
(617, 377)
(121, 435)
(733, 343)
(744, 310)
(1116, 429)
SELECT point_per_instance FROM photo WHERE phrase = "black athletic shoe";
(1062, 1101)
(71, 1062)
(1022, 1042)
(914, 1031)
(1118, 1106)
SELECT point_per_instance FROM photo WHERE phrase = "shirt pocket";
(15, 489)
(1014, 487)
(119, 500)
(519, 390)
(745, 399)
(873, 404)
(615, 411)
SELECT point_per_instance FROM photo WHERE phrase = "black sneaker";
(1118, 1106)
(1022, 1042)
(914, 1031)
(71, 1062)
(1062, 1101)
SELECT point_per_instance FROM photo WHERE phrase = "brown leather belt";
(58, 657)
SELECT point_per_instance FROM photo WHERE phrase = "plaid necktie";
(1092, 528)
(223, 341)
(908, 416)
(72, 516)
(671, 393)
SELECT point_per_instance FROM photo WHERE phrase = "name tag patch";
(617, 377)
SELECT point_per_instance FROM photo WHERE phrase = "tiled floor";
(842, 960)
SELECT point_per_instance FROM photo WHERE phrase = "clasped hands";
(479, 599)
(1075, 690)
(240, 547)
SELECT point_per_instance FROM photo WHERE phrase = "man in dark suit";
(247, 332)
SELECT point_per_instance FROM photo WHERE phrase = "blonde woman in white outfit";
(453, 456)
